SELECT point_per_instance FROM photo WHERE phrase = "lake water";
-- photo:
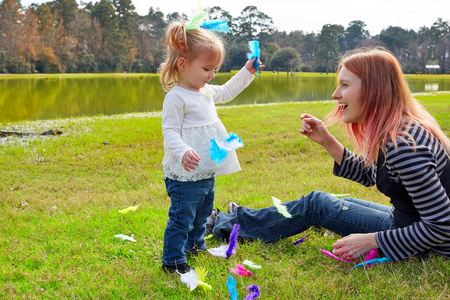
(51, 98)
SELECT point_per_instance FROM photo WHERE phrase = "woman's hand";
(190, 160)
(354, 245)
(314, 128)
(251, 68)
(318, 132)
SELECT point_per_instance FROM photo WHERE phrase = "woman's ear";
(181, 63)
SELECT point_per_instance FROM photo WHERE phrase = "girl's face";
(195, 74)
(348, 95)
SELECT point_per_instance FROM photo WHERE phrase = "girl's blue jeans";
(343, 216)
(191, 204)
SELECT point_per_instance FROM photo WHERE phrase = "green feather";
(196, 21)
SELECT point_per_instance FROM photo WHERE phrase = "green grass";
(60, 198)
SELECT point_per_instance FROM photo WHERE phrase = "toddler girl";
(189, 122)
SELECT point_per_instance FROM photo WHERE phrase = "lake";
(52, 97)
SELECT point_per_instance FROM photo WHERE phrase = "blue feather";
(372, 261)
(216, 153)
(254, 52)
(231, 285)
(216, 25)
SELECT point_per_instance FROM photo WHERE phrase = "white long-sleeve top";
(190, 121)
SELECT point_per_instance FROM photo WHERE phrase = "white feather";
(190, 279)
(124, 237)
(219, 251)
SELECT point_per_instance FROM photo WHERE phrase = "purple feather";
(301, 240)
(254, 292)
(233, 241)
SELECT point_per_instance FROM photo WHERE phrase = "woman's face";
(348, 95)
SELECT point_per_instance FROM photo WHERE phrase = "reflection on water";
(432, 87)
(45, 98)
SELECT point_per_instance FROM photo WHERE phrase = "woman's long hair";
(188, 45)
(386, 103)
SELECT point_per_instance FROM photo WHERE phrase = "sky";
(311, 15)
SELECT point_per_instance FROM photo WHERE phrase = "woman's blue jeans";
(343, 216)
(191, 204)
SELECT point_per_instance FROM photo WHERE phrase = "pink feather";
(241, 271)
(335, 257)
(371, 254)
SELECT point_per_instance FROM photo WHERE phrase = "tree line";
(62, 36)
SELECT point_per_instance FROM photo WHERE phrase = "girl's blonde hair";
(387, 102)
(188, 45)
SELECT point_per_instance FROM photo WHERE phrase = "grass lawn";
(60, 198)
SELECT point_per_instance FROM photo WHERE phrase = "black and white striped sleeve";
(416, 168)
(352, 167)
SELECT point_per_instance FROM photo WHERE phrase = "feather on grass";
(128, 209)
(254, 292)
(241, 271)
(233, 241)
(231, 285)
(373, 261)
(326, 252)
(251, 264)
(301, 240)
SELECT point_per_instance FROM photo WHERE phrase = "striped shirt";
(420, 170)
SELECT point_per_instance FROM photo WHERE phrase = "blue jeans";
(343, 216)
(191, 204)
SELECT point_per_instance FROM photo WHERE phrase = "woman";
(404, 152)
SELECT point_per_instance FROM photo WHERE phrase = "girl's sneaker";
(181, 268)
(232, 207)
(211, 221)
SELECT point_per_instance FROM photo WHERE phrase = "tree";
(354, 35)
(309, 50)
(286, 59)
(424, 47)
(67, 10)
(217, 13)
(176, 17)
(328, 48)
(254, 25)
(269, 51)
(11, 32)
(30, 42)
(440, 35)
(127, 17)
(149, 34)
(115, 51)
(397, 40)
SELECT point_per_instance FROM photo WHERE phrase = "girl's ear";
(181, 63)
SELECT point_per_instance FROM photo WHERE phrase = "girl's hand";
(354, 245)
(251, 68)
(314, 129)
(190, 160)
